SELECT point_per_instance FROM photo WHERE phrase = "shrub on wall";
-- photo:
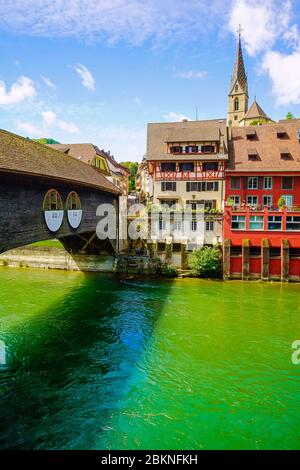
(206, 262)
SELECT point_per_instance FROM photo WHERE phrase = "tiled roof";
(24, 156)
(268, 146)
(159, 134)
(255, 112)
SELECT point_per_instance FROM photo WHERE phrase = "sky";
(99, 70)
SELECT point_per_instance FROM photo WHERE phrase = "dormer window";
(236, 104)
(252, 155)
(285, 154)
(191, 149)
(176, 149)
(281, 133)
(208, 149)
(251, 134)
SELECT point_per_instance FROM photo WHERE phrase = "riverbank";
(53, 256)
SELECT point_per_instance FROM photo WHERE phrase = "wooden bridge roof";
(23, 156)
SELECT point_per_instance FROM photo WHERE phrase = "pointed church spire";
(239, 73)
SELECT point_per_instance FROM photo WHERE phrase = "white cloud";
(48, 82)
(112, 20)
(49, 122)
(192, 75)
(263, 22)
(284, 73)
(171, 116)
(22, 89)
(86, 76)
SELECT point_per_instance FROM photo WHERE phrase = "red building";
(262, 202)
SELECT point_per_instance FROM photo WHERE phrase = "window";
(73, 201)
(253, 182)
(235, 118)
(255, 251)
(287, 182)
(168, 203)
(267, 201)
(168, 186)
(210, 166)
(268, 182)
(166, 166)
(187, 166)
(236, 200)
(252, 200)
(192, 186)
(256, 222)
(274, 222)
(238, 222)
(235, 182)
(192, 205)
(252, 157)
(162, 225)
(176, 149)
(52, 201)
(191, 149)
(274, 252)
(208, 203)
(236, 251)
(193, 225)
(294, 252)
(288, 200)
(208, 149)
(177, 224)
(209, 226)
(236, 87)
(293, 222)
(236, 104)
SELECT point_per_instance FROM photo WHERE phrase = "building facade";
(262, 209)
(186, 162)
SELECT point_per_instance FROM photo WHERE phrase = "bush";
(168, 270)
(206, 262)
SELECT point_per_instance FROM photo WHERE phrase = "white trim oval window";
(74, 210)
(53, 210)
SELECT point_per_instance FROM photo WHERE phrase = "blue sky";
(98, 71)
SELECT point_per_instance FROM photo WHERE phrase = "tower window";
(236, 104)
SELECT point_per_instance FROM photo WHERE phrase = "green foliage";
(45, 141)
(206, 262)
(133, 168)
(281, 202)
(168, 270)
(289, 116)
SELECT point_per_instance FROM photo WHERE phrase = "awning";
(284, 151)
(280, 131)
(250, 132)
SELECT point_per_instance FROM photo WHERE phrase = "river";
(95, 362)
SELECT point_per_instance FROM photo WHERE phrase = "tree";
(45, 141)
(133, 168)
(289, 116)
(206, 262)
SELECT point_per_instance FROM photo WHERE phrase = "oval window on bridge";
(53, 210)
(74, 210)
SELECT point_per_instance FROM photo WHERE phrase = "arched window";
(73, 201)
(52, 201)
(74, 211)
(236, 104)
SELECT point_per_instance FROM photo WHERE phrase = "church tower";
(238, 96)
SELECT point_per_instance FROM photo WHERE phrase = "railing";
(259, 208)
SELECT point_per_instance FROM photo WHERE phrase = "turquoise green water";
(93, 362)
